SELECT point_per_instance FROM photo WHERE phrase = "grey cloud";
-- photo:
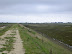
(61, 6)
(10, 2)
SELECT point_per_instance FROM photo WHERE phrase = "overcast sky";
(35, 10)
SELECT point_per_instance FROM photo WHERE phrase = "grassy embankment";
(2, 31)
(61, 32)
(35, 45)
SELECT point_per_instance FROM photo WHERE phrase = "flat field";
(59, 31)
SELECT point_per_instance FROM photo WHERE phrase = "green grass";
(31, 32)
(4, 53)
(34, 45)
(29, 44)
(7, 27)
(9, 37)
(2, 49)
(61, 32)
(8, 46)
(2, 31)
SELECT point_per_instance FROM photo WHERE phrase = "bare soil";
(17, 45)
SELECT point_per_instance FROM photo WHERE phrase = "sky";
(35, 11)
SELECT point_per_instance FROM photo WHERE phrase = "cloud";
(36, 8)
(44, 10)
(37, 18)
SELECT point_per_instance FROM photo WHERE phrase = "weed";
(2, 49)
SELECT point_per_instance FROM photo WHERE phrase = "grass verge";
(34, 45)
(4, 30)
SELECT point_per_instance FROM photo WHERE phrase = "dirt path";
(3, 40)
(17, 45)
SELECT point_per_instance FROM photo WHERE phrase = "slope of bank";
(37, 44)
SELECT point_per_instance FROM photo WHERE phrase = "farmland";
(59, 31)
(19, 39)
